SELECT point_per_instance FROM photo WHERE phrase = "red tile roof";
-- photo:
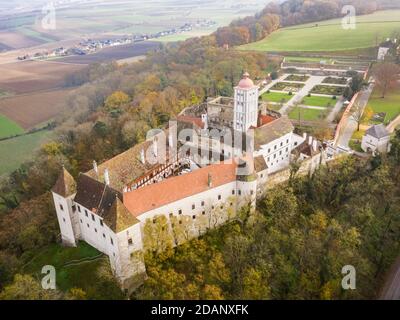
(194, 120)
(173, 189)
(266, 119)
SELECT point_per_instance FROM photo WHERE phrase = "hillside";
(330, 36)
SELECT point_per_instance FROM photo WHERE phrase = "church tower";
(246, 104)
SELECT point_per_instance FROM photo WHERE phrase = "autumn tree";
(386, 75)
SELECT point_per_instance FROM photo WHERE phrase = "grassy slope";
(9, 128)
(14, 152)
(390, 105)
(330, 36)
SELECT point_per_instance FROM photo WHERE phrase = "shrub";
(334, 97)
(290, 93)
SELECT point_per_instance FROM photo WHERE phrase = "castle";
(196, 174)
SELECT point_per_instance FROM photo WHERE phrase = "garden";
(297, 77)
(307, 114)
(287, 86)
(318, 101)
(328, 90)
(385, 109)
(335, 80)
(278, 97)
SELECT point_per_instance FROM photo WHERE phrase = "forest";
(342, 213)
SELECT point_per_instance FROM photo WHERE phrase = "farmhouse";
(213, 160)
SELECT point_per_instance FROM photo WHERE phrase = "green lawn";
(276, 97)
(306, 114)
(72, 272)
(317, 101)
(390, 105)
(9, 128)
(330, 36)
(16, 151)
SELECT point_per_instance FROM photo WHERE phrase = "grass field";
(306, 114)
(9, 128)
(330, 36)
(70, 273)
(276, 97)
(390, 105)
(15, 151)
(318, 101)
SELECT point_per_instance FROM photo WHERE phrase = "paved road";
(298, 97)
(351, 125)
(391, 289)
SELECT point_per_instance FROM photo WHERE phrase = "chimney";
(155, 148)
(209, 180)
(95, 167)
(170, 140)
(142, 159)
(315, 145)
(310, 139)
(204, 119)
(106, 177)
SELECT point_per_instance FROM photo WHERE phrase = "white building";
(115, 206)
(245, 104)
(376, 138)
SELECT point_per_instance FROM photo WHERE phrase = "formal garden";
(328, 90)
(297, 77)
(335, 80)
(319, 101)
(308, 114)
(288, 86)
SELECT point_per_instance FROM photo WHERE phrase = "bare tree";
(386, 76)
(357, 115)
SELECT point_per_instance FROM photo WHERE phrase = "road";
(351, 125)
(391, 289)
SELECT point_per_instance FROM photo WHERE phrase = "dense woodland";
(112, 111)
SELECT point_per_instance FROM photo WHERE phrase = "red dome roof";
(246, 82)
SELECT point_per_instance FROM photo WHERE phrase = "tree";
(386, 75)
(357, 115)
(116, 100)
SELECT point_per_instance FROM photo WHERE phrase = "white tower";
(246, 104)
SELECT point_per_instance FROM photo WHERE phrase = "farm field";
(306, 114)
(31, 76)
(29, 110)
(276, 97)
(330, 36)
(16, 151)
(318, 101)
(9, 128)
(390, 105)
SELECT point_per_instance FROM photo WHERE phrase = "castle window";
(280, 152)
(64, 219)
(88, 225)
(222, 207)
(281, 144)
(101, 222)
(203, 213)
(93, 217)
(73, 208)
(79, 208)
(180, 221)
(86, 213)
(252, 192)
(275, 147)
(130, 241)
(269, 150)
(287, 149)
(233, 192)
(219, 197)
(202, 203)
(95, 230)
(193, 207)
(81, 220)
(61, 207)
(240, 192)
(112, 242)
(287, 141)
(194, 217)
(104, 236)
(171, 215)
(180, 211)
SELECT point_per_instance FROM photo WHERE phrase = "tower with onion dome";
(246, 104)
